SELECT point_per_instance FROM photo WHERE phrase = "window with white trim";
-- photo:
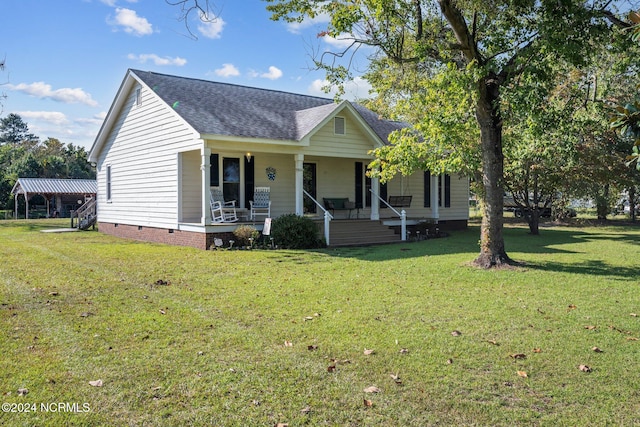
(108, 182)
(339, 125)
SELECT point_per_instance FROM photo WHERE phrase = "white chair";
(261, 203)
(222, 211)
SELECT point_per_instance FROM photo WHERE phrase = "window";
(338, 126)
(444, 185)
(138, 97)
(108, 181)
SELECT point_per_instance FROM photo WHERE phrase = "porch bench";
(400, 201)
(338, 204)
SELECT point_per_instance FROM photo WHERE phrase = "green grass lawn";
(181, 336)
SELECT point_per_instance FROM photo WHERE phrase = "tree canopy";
(23, 155)
(448, 67)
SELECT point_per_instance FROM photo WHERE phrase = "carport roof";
(54, 186)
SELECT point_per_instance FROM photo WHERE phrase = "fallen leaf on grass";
(633, 315)
(632, 339)
(288, 343)
(162, 311)
(368, 403)
(396, 378)
(306, 319)
(312, 347)
(86, 314)
(305, 410)
(282, 425)
(449, 361)
(97, 383)
(331, 368)
(404, 351)
(372, 389)
(597, 350)
(494, 342)
(590, 327)
(584, 368)
(572, 307)
(537, 350)
(22, 391)
(54, 294)
(522, 374)
(368, 352)
(456, 333)
(518, 356)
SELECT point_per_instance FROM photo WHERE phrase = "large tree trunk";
(492, 251)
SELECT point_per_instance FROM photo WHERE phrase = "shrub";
(246, 235)
(295, 232)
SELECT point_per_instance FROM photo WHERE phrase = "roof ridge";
(320, 98)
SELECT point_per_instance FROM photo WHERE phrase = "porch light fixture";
(248, 156)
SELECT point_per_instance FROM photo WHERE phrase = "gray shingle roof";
(233, 110)
(54, 186)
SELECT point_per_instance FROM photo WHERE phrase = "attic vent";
(138, 97)
(338, 125)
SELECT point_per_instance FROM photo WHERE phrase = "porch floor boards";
(354, 232)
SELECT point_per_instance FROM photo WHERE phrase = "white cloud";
(274, 73)
(355, 89)
(80, 131)
(157, 60)
(227, 70)
(298, 27)
(113, 3)
(65, 95)
(131, 23)
(51, 117)
(211, 27)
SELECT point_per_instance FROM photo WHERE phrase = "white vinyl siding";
(142, 149)
(355, 143)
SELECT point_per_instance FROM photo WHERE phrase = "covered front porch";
(297, 183)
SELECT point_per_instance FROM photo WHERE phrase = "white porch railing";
(327, 216)
(402, 214)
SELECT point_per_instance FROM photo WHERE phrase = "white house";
(167, 140)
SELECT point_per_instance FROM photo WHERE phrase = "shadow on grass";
(557, 240)
(590, 267)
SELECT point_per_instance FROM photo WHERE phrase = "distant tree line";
(24, 155)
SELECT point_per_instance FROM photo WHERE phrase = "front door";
(309, 185)
(231, 178)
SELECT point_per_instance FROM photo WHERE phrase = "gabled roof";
(214, 108)
(54, 186)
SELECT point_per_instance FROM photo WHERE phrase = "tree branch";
(460, 29)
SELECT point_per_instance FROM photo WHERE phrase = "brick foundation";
(163, 235)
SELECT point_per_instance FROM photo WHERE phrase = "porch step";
(360, 233)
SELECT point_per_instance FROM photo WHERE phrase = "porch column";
(205, 169)
(15, 198)
(375, 201)
(26, 203)
(299, 183)
(435, 208)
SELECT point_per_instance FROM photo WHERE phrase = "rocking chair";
(222, 211)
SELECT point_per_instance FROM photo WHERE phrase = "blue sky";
(65, 59)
